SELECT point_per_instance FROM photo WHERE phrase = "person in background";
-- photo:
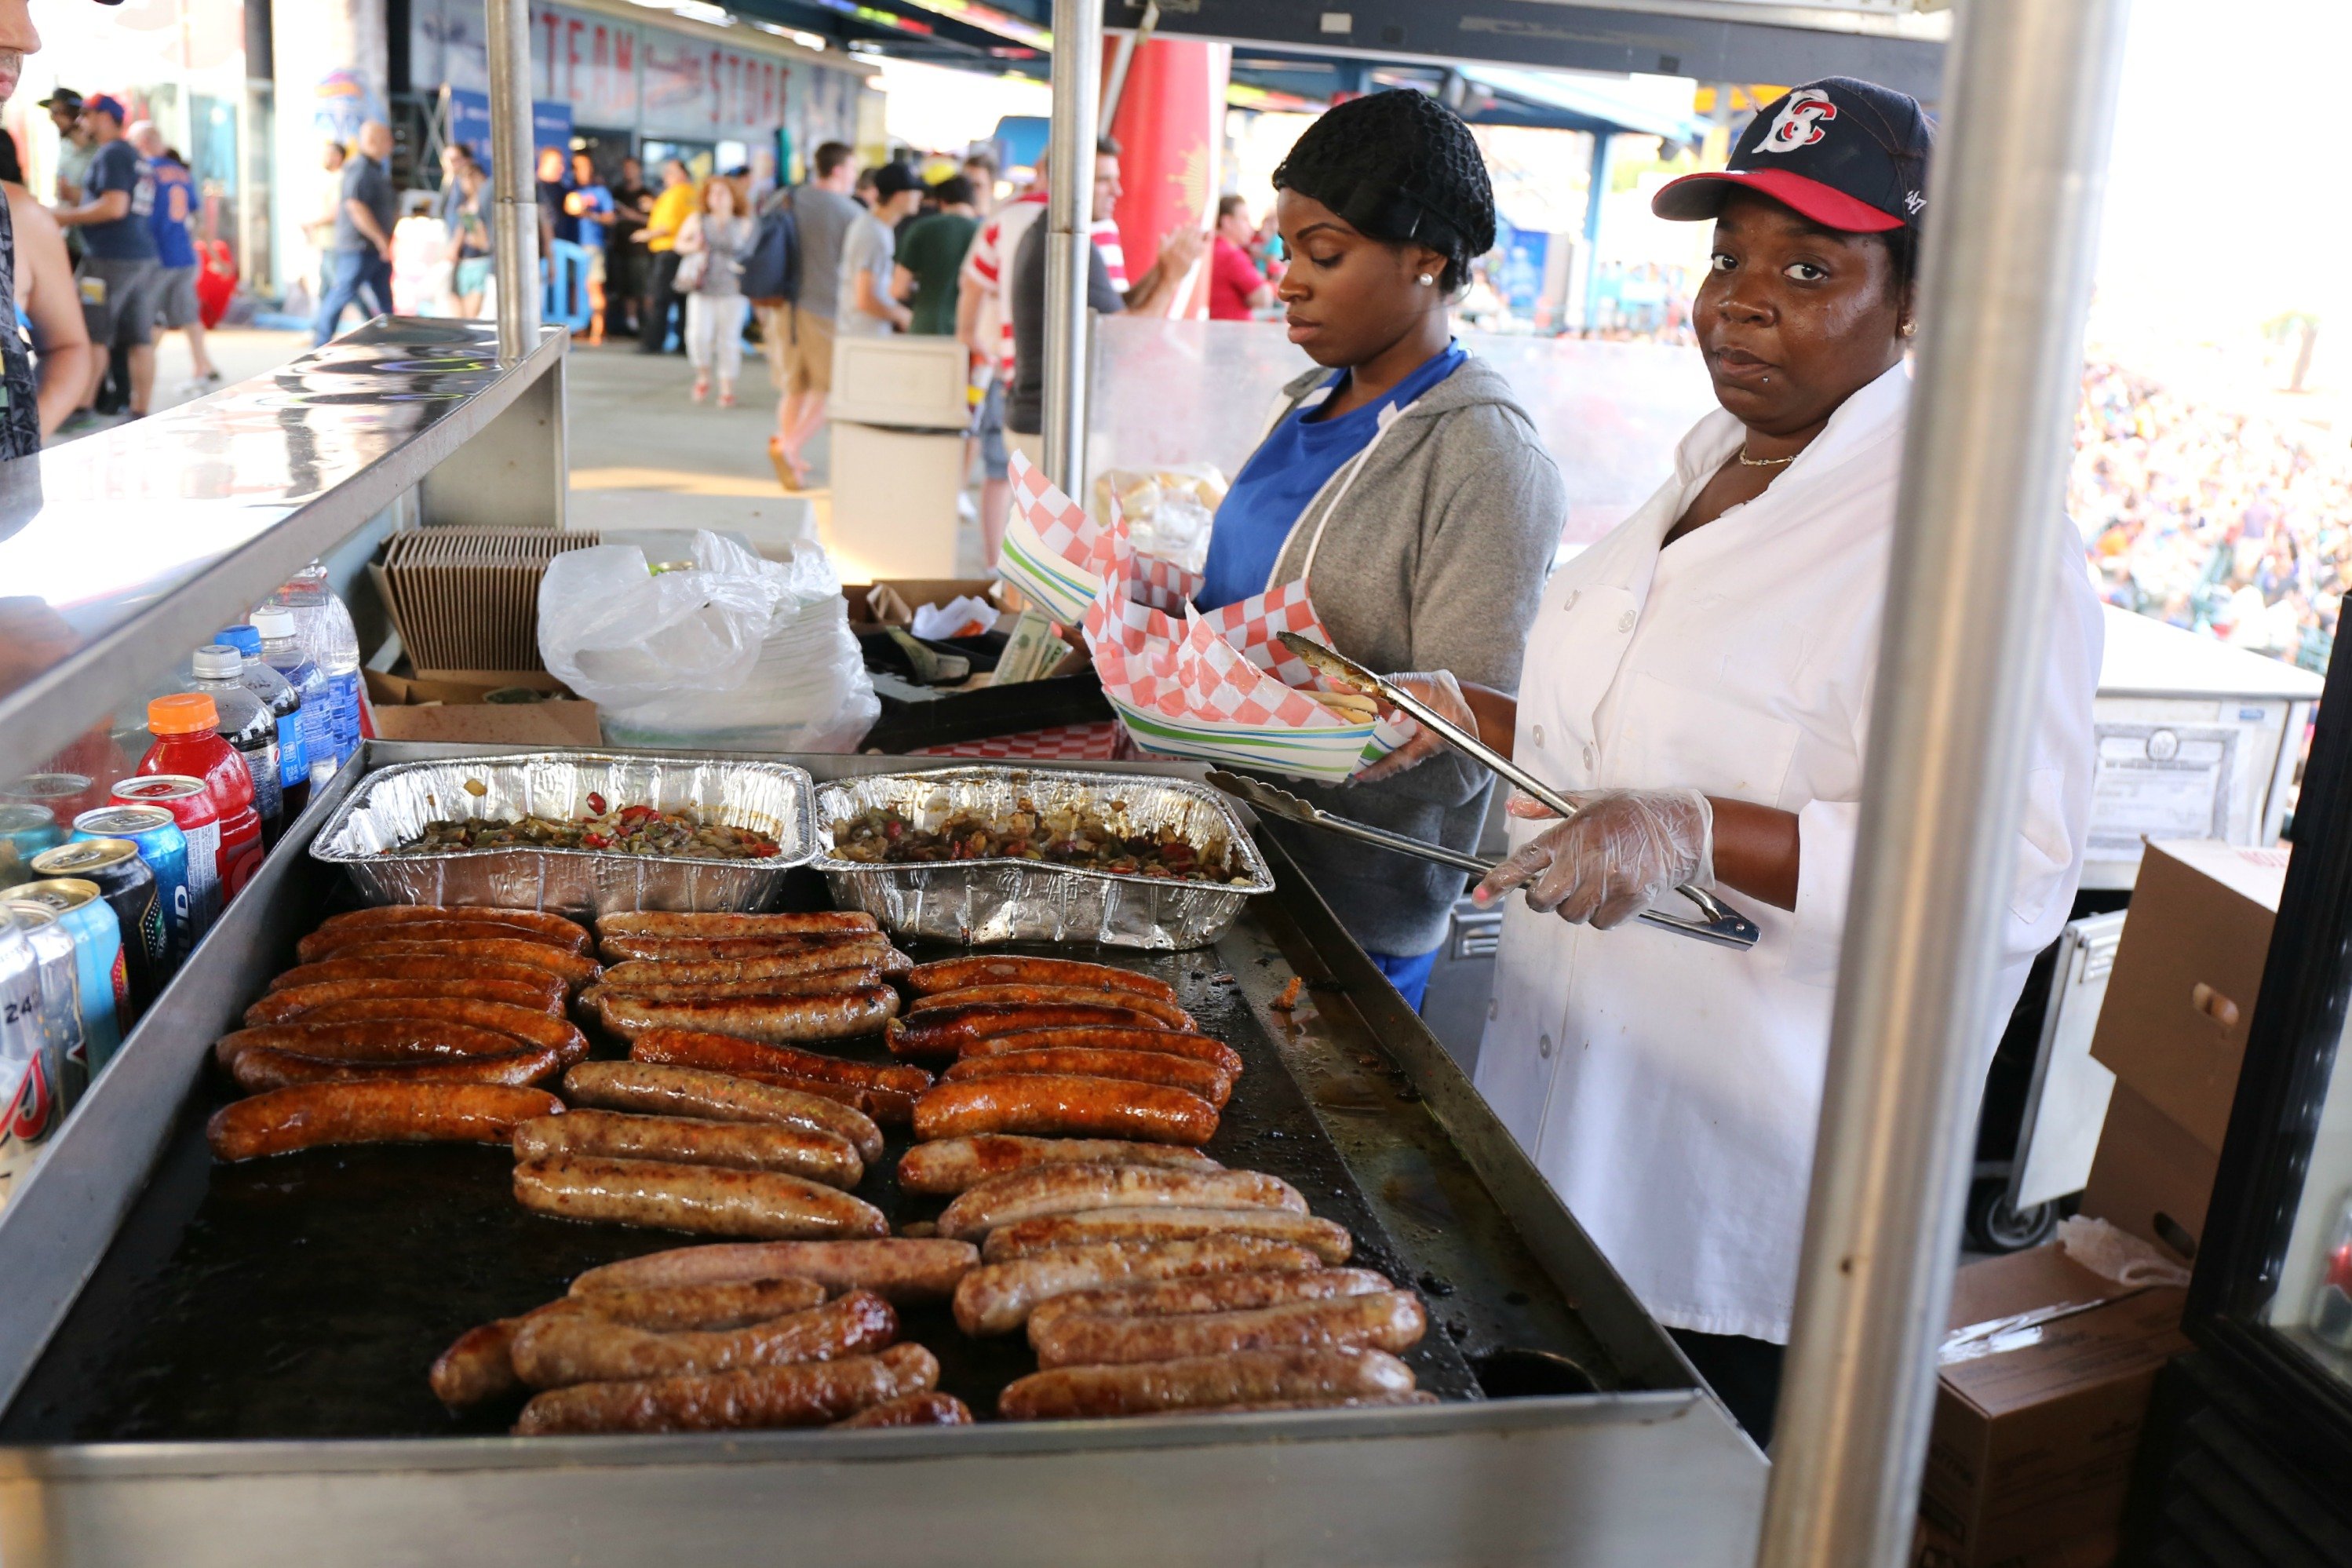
(320, 230)
(1237, 289)
(668, 214)
(471, 258)
(760, 182)
(556, 221)
(118, 275)
(930, 258)
(867, 307)
(75, 150)
(624, 255)
(719, 236)
(41, 284)
(361, 250)
(980, 168)
(173, 222)
(823, 213)
(986, 327)
(590, 205)
(445, 199)
(861, 189)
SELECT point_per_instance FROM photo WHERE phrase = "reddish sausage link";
(951, 1030)
(996, 1298)
(258, 1071)
(1166, 1014)
(901, 1268)
(386, 917)
(839, 1017)
(886, 1107)
(957, 1164)
(317, 1114)
(328, 941)
(1210, 1293)
(822, 982)
(660, 922)
(824, 1157)
(565, 1348)
(380, 1039)
(1390, 1320)
(1203, 1079)
(871, 952)
(933, 1409)
(575, 969)
(809, 1394)
(1050, 1106)
(1328, 1239)
(426, 966)
(1071, 1189)
(478, 1365)
(656, 1090)
(1163, 1042)
(1336, 1402)
(527, 1025)
(723, 1052)
(287, 1006)
(706, 1198)
(720, 949)
(955, 974)
(1238, 1377)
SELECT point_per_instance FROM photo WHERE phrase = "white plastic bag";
(739, 653)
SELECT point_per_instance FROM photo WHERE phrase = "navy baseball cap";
(895, 179)
(1849, 155)
(105, 103)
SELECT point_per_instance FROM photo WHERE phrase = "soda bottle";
(248, 724)
(186, 727)
(281, 649)
(324, 629)
(285, 705)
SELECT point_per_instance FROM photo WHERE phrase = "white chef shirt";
(1668, 1088)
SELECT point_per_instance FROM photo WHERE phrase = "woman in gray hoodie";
(1401, 480)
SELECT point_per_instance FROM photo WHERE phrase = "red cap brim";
(1699, 197)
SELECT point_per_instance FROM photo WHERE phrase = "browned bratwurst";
(287, 1119)
(1069, 1189)
(903, 1269)
(1382, 1320)
(1337, 1402)
(258, 1071)
(822, 982)
(1164, 1042)
(412, 966)
(1166, 1014)
(1054, 1106)
(865, 952)
(1239, 1377)
(811, 1394)
(995, 1297)
(720, 949)
(328, 941)
(379, 1040)
(956, 974)
(1209, 1293)
(886, 1107)
(565, 1348)
(554, 928)
(575, 969)
(933, 1409)
(1328, 1239)
(957, 1164)
(1206, 1080)
(690, 1048)
(525, 1024)
(824, 1157)
(286, 1006)
(951, 1030)
(662, 922)
(840, 1016)
(656, 1090)
(711, 1199)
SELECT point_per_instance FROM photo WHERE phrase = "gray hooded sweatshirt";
(1434, 558)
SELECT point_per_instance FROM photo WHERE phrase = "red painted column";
(1170, 127)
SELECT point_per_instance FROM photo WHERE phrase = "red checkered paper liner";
(1058, 556)
(1095, 741)
(1062, 525)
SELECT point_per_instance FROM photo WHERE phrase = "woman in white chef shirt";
(1700, 680)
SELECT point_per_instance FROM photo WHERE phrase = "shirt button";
(1625, 622)
(1574, 595)
(1493, 1005)
(1538, 734)
(1543, 1046)
(1587, 757)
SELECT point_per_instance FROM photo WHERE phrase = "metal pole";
(2029, 97)
(1069, 201)
(514, 184)
(1122, 59)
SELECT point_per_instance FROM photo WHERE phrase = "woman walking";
(713, 245)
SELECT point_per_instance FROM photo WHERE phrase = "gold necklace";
(1747, 462)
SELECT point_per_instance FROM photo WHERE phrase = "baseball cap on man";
(65, 97)
(1849, 155)
(105, 103)
(895, 179)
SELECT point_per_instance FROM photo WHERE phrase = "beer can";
(29, 1102)
(166, 849)
(60, 968)
(129, 887)
(199, 821)
(100, 976)
(25, 830)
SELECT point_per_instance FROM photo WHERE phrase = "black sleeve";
(1100, 295)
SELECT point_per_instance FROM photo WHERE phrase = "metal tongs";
(1718, 922)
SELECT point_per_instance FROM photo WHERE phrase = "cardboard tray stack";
(468, 599)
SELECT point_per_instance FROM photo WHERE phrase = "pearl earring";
(1426, 279)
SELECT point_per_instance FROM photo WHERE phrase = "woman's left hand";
(1616, 858)
(1440, 691)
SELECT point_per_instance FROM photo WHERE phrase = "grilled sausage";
(824, 1157)
(885, 1106)
(1070, 1189)
(1239, 1377)
(564, 1347)
(1052, 1105)
(705, 1198)
(1163, 1042)
(328, 941)
(527, 1025)
(947, 1032)
(660, 1090)
(412, 966)
(718, 948)
(576, 969)
(1326, 1238)
(1337, 1402)
(955, 1164)
(259, 1071)
(665, 922)
(902, 1269)
(1166, 1014)
(317, 1114)
(995, 1297)
(872, 952)
(822, 983)
(838, 1016)
(287, 1006)
(1008, 969)
(688, 1048)
(933, 1409)
(478, 1365)
(1203, 1079)
(1210, 1293)
(386, 917)
(809, 1394)
(380, 1039)
(1389, 1321)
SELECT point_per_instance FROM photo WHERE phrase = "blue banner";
(470, 122)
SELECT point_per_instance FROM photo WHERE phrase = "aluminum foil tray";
(1023, 900)
(391, 806)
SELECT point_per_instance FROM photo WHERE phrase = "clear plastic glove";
(1439, 690)
(1623, 850)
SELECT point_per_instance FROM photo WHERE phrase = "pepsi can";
(166, 849)
(28, 1100)
(61, 999)
(101, 976)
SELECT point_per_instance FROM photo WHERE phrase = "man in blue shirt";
(360, 257)
(173, 224)
(118, 276)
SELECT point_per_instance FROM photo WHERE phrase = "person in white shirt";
(1699, 683)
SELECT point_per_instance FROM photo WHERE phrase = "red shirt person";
(1236, 287)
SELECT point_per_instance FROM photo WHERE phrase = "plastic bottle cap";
(273, 621)
(218, 662)
(182, 714)
(246, 640)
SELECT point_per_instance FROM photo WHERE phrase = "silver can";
(61, 967)
(28, 1100)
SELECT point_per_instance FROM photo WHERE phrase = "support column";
(1587, 293)
(330, 70)
(1169, 123)
(1069, 195)
(514, 225)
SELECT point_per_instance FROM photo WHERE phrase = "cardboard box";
(2150, 1177)
(2181, 998)
(447, 706)
(2044, 1384)
(892, 601)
